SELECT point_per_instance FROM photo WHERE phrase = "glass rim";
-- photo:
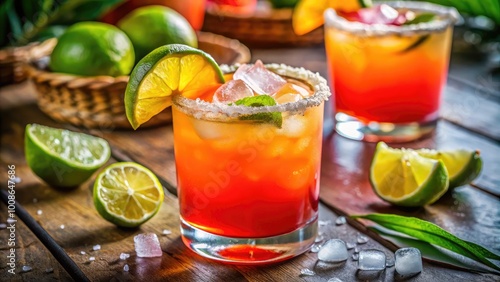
(450, 16)
(218, 111)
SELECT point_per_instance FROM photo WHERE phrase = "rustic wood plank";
(465, 211)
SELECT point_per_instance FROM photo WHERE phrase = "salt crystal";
(307, 272)
(26, 268)
(10, 220)
(333, 250)
(124, 256)
(408, 262)
(91, 258)
(355, 257)
(334, 279)
(361, 239)
(82, 253)
(350, 246)
(340, 220)
(147, 245)
(96, 247)
(3, 225)
(166, 232)
(260, 79)
(62, 226)
(126, 268)
(39, 212)
(35, 200)
(49, 270)
(371, 260)
(232, 91)
(17, 180)
(315, 248)
(323, 222)
(389, 262)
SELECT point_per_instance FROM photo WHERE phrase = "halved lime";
(463, 165)
(61, 157)
(170, 69)
(403, 177)
(127, 194)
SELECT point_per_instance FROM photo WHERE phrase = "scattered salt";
(166, 232)
(26, 268)
(356, 250)
(82, 253)
(361, 239)
(39, 212)
(62, 226)
(126, 268)
(355, 257)
(334, 279)
(323, 222)
(96, 247)
(91, 258)
(3, 225)
(350, 246)
(124, 256)
(340, 220)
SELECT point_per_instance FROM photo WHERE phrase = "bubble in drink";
(147, 245)
(371, 260)
(307, 272)
(334, 250)
(408, 262)
(260, 79)
(232, 91)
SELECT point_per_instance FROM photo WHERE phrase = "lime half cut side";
(61, 157)
(127, 194)
(168, 70)
(404, 178)
(463, 165)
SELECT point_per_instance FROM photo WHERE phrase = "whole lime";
(92, 48)
(150, 27)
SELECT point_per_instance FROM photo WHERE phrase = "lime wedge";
(167, 70)
(404, 178)
(463, 165)
(63, 158)
(127, 194)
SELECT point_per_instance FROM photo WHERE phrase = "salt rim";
(450, 15)
(200, 109)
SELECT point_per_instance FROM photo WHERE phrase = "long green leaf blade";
(433, 234)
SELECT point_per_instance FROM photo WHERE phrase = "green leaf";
(261, 101)
(431, 233)
(421, 18)
(474, 7)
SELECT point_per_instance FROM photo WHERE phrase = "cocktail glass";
(248, 191)
(388, 79)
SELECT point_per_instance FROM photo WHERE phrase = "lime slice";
(168, 70)
(404, 178)
(463, 165)
(63, 158)
(127, 194)
(308, 14)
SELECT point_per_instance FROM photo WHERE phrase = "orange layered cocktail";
(248, 161)
(388, 66)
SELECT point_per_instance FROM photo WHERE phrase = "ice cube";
(307, 272)
(371, 260)
(166, 232)
(315, 248)
(408, 262)
(334, 250)
(260, 79)
(147, 245)
(319, 238)
(91, 258)
(350, 246)
(379, 14)
(290, 93)
(340, 220)
(334, 279)
(26, 268)
(288, 98)
(96, 247)
(232, 91)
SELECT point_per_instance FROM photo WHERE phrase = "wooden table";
(470, 119)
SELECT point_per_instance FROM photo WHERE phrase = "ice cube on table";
(334, 250)
(260, 79)
(371, 259)
(147, 245)
(232, 91)
(340, 220)
(408, 262)
(361, 239)
(307, 272)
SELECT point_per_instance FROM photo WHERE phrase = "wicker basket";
(266, 28)
(97, 102)
(13, 61)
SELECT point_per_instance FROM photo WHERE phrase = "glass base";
(353, 128)
(249, 251)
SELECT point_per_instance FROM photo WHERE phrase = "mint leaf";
(421, 18)
(261, 101)
(433, 234)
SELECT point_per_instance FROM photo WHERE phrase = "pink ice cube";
(232, 91)
(147, 245)
(260, 79)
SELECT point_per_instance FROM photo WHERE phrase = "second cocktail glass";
(387, 79)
